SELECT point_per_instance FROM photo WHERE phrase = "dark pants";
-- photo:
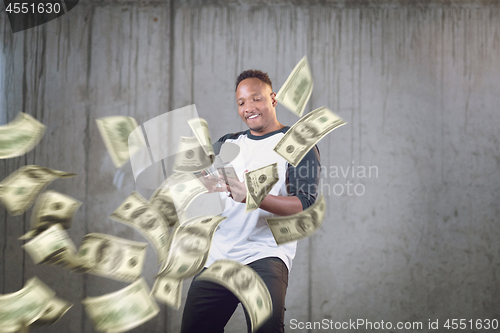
(209, 306)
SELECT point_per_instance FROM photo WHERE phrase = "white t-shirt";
(246, 237)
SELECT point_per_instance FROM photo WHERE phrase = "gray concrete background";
(417, 82)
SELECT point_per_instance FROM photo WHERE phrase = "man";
(246, 237)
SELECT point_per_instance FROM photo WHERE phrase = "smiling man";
(246, 237)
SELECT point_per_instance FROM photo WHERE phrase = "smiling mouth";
(253, 116)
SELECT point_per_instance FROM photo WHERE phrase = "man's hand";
(237, 190)
(211, 183)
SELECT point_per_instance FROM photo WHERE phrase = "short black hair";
(254, 73)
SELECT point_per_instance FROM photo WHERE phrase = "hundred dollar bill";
(141, 215)
(200, 129)
(115, 132)
(190, 247)
(297, 89)
(168, 291)
(164, 204)
(191, 157)
(293, 227)
(53, 246)
(259, 183)
(51, 208)
(122, 310)
(20, 309)
(20, 189)
(245, 284)
(20, 136)
(184, 188)
(55, 309)
(305, 133)
(113, 257)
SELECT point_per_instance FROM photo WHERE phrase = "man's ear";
(273, 98)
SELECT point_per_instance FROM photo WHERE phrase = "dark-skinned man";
(246, 237)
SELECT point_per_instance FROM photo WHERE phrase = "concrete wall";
(417, 83)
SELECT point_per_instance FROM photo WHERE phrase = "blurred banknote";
(190, 246)
(191, 157)
(259, 183)
(20, 189)
(54, 247)
(141, 215)
(20, 309)
(184, 188)
(51, 208)
(168, 291)
(54, 310)
(297, 89)
(305, 133)
(20, 136)
(164, 204)
(293, 227)
(122, 310)
(245, 284)
(112, 257)
(200, 129)
(115, 131)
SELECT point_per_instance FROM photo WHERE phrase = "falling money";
(168, 291)
(259, 183)
(305, 133)
(138, 213)
(245, 284)
(293, 227)
(53, 246)
(20, 136)
(51, 208)
(191, 157)
(122, 310)
(190, 247)
(22, 308)
(117, 258)
(115, 132)
(20, 189)
(297, 88)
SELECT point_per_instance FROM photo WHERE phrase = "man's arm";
(281, 205)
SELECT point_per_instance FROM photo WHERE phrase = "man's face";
(256, 103)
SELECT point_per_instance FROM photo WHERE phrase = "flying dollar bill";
(113, 257)
(245, 284)
(55, 309)
(200, 129)
(168, 291)
(51, 208)
(53, 246)
(20, 136)
(20, 189)
(191, 157)
(164, 204)
(141, 215)
(115, 132)
(20, 309)
(184, 188)
(297, 88)
(259, 183)
(122, 310)
(293, 227)
(305, 133)
(190, 247)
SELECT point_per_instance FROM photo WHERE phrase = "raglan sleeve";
(302, 181)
